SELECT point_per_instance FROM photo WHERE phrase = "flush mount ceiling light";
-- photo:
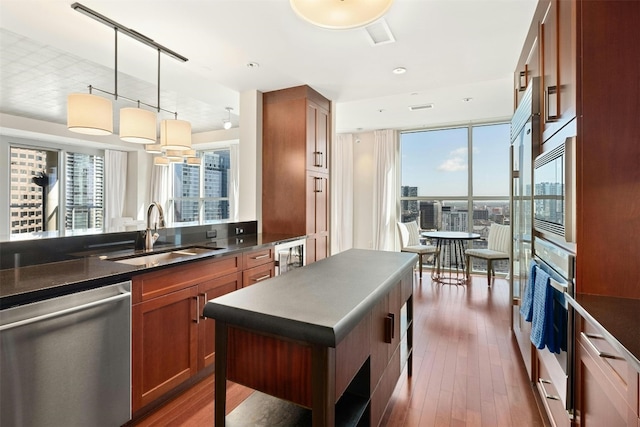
(93, 115)
(227, 122)
(399, 70)
(340, 14)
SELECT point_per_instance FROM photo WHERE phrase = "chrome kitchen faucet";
(150, 239)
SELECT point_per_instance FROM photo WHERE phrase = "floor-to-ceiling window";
(457, 179)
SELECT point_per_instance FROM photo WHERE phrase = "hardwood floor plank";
(466, 367)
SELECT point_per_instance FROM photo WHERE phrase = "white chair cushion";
(487, 254)
(420, 249)
(414, 233)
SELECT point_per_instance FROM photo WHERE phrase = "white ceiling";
(452, 49)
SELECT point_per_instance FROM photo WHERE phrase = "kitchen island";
(333, 334)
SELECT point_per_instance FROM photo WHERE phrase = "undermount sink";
(159, 258)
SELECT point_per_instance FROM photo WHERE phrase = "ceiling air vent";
(420, 107)
(379, 33)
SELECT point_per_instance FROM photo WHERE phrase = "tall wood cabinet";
(586, 54)
(295, 166)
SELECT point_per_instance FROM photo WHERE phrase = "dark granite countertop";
(37, 282)
(617, 319)
(319, 303)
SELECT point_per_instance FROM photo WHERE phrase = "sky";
(436, 161)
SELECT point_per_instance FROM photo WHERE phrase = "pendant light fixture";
(153, 148)
(160, 161)
(138, 126)
(90, 114)
(226, 123)
(175, 135)
(340, 14)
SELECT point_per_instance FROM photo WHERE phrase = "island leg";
(220, 401)
(323, 386)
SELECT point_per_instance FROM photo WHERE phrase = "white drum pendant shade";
(161, 161)
(138, 126)
(174, 155)
(340, 14)
(153, 148)
(175, 135)
(89, 114)
(196, 161)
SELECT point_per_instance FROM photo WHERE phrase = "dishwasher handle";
(70, 310)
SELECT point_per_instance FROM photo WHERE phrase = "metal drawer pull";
(259, 279)
(197, 319)
(544, 390)
(260, 256)
(602, 354)
(202, 316)
(65, 311)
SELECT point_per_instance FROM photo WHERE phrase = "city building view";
(202, 191)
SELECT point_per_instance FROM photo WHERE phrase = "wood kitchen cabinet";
(258, 265)
(606, 384)
(207, 330)
(391, 345)
(295, 166)
(589, 51)
(170, 340)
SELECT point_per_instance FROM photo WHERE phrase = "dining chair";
(498, 248)
(410, 242)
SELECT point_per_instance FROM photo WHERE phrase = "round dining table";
(449, 264)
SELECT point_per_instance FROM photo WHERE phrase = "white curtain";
(342, 221)
(234, 182)
(115, 173)
(385, 152)
(159, 191)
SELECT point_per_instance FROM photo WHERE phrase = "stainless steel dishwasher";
(66, 361)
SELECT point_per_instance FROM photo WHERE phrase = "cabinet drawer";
(171, 279)
(254, 258)
(549, 392)
(622, 376)
(254, 275)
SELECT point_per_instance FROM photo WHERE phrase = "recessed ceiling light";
(467, 99)
(399, 70)
(253, 65)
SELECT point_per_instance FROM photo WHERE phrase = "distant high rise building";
(409, 208)
(430, 215)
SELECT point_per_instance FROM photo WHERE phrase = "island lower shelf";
(345, 382)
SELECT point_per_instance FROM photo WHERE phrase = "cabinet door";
(164, 344)
(317, 134)
(207, 331)
(385, 332)
(317, 216)
(550, 63)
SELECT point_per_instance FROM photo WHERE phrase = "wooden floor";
(466, 368)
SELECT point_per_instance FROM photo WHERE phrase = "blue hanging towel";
(542, 317)
(557, 341)
(526, 309)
